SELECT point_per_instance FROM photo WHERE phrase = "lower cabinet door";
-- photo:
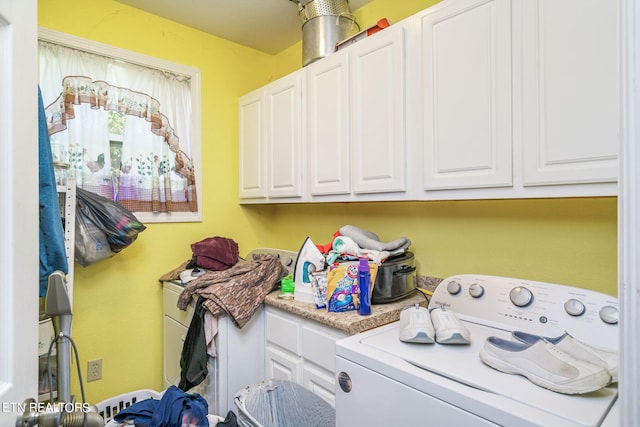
(283, 366)
(320, 381)
(175, 334)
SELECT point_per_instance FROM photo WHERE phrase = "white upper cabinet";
(466, 89)
(569, 90)
(270, 141)
(328, 126)
(355, 127)
(284, 136)
(468, 99)
(378, 112)
(252, 146)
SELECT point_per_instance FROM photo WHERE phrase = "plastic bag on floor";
(278, 403)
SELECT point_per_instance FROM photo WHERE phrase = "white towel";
(210, 332)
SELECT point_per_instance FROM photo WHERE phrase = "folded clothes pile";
(351, 242)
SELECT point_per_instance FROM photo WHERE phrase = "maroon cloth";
(215, 253)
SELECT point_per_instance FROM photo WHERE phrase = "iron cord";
(62, 335)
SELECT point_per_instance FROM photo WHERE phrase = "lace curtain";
(121, 129)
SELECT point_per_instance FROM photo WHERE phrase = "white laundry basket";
(279, 403)
(109, 408)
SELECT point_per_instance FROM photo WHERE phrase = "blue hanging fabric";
(52, 253)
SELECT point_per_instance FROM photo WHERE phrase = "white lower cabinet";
(282, 365)
(175, 327)
(301, 351)
(319, 381)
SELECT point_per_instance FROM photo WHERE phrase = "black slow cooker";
(395, 279)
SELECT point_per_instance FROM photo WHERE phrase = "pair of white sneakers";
(562, 364)
(441, 325)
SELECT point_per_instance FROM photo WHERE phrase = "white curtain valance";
(146, 164)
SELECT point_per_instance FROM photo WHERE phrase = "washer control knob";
(609, 314)
(574, 307)
(453, 287)
(476, 290)
(520, 296)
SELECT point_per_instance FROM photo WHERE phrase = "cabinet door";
(284, 136)
(319, 344)
(319, 381)
(252, 143)
(327, 125)
(283, 330)
(569, 91)
(174, 336)
(282, 365)
(377, 80)
(466, 79)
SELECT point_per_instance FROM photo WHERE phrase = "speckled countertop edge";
(350, 321)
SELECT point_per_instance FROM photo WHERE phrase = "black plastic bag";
(91, 243)
(119, 225)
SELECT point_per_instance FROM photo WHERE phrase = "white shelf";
(68, 213)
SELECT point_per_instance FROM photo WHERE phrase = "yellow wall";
(117, 303)
(118, 307)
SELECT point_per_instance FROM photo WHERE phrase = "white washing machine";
(385, 382)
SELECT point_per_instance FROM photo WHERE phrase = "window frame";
(194, 76)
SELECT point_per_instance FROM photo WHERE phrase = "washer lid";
(496, 396)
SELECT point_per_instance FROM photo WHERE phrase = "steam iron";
(309, 260)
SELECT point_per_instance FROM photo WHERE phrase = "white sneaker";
(449, 329)
(578, 349)
(415, 325)
(544, 365)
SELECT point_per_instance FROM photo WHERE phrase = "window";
(127, 125)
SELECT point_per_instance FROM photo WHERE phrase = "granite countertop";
(350, 321)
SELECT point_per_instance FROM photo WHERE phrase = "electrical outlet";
(94, 370)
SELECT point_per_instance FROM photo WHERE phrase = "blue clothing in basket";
(175, 408)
